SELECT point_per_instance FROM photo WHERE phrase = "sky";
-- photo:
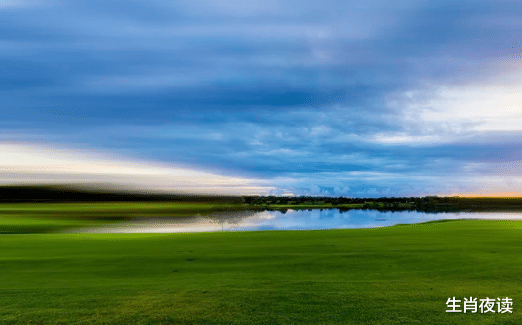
(336, 98)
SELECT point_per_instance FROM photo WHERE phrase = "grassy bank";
(16, 218)
(113, 209)
(396, 275)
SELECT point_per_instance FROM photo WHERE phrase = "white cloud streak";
(40, 164)
(447, 113)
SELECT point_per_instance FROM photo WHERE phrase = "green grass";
(55, 217)
(394, 275)
(19, 218)
(29, 225)
(114, 209)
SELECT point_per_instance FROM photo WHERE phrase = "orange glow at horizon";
(499, 195)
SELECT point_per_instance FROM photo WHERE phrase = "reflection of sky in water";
(291, 220)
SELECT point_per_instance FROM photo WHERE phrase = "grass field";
(17, 218)
(395, 275)
(113, 209)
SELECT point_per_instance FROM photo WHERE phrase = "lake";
(290, 220)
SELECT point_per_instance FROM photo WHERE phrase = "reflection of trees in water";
(231, 217)
(273, 219)
(223, 218)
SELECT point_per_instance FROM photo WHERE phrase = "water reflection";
(289, 220)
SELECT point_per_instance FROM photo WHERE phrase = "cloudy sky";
(354, 98)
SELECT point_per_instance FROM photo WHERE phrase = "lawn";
(395, 275)
(18, 218)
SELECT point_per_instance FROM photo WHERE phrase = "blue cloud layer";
(311, 96)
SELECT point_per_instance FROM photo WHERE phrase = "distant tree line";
(256, 200)
(57, 194)
(425, 204)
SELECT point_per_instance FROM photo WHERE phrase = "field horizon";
(392, 275)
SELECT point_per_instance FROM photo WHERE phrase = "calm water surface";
(291, 220)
